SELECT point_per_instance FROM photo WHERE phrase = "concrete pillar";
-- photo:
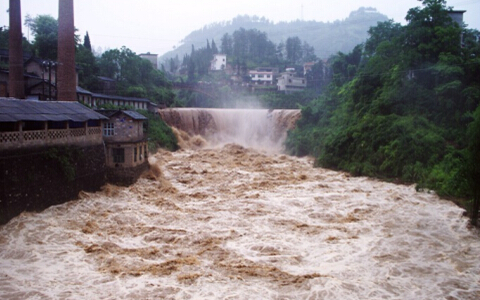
(66, 77)
(16, 83)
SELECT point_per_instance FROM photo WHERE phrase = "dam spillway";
(259, 128)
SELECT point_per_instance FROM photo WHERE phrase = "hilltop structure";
(152, 58)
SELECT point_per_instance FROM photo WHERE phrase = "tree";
(45, 29)
(429, 32)
(88, 68)
(316, 77)
(214, 47)
(400, 108)
(384, 32)
(308, 53)
(227, 44)
(294, 50)
(191, 69)
(135, 76)
(86, 42)
(3, 38)
(473, 165)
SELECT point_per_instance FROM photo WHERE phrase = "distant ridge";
(327, 38)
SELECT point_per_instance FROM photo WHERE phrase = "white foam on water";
(235, 223)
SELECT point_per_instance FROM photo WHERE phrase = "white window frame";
(108, 129)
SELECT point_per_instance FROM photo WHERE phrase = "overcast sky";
(156, 26)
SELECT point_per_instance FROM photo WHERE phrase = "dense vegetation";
(404, 106)
(245, 50)
(326, 37)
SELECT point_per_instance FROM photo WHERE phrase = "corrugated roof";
(83, 91)
(114, 97)
(134, 115)
(13, 110)
(131, 113)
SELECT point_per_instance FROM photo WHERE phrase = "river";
(233, 222)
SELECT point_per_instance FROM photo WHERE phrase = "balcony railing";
(15, 139)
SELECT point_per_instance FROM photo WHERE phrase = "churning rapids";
(233, 222)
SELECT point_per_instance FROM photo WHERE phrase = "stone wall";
(34, 179)
(126, 130)
(126, 176)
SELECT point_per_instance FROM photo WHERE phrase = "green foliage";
(88, 68)
(65, 158)
(135, 76)
(286, 101)
(327, 38)
(3, 38)
(86, 42)
(45, 29)
(473, 164)
(159, 133)
(400, 108)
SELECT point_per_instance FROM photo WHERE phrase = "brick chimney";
(16, 84)
(66, 77)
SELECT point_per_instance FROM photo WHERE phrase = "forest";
(326, 37)
(404, 106)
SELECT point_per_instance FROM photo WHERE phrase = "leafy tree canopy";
(399, 106)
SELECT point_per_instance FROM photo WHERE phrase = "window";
(118, 155)
(57, 125)
(140, 152)
(108, 129)
(72, 124)
(93, 123)
(135, 154)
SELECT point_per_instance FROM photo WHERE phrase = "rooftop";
(14, 110)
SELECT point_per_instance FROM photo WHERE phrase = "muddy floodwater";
(234, 222)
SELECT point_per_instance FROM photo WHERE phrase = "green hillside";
(327, 38)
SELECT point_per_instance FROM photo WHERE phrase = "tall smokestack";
(66, 77)
(16, 83)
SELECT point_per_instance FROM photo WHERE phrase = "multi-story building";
(289, 83)
(126, 145)
(219, 62)
(266, 76)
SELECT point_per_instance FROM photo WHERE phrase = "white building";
(266, 76)
(152, 58)
(219, 62)
(289, 83)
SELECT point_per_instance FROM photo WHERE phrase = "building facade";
(126, 145)
(49, 152)
(219, 62)
(152, 58)
(289, 83)
(33, 124)
(266, 76)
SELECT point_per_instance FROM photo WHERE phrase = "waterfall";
(257, 128)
